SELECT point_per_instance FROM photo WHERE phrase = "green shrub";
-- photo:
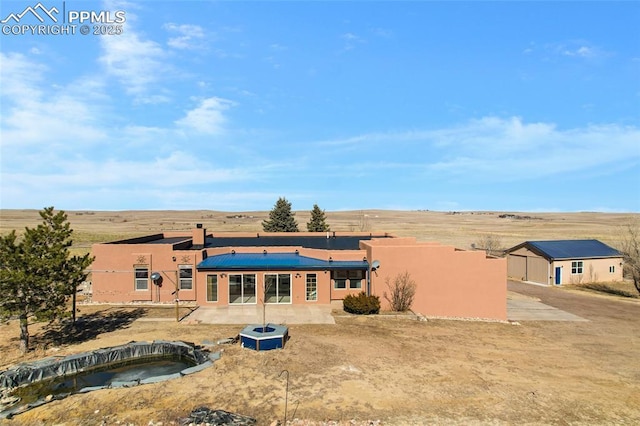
(361, 304)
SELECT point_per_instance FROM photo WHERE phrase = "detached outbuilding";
(564, 262)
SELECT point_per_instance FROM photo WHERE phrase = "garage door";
(537, 270)
(517, 267)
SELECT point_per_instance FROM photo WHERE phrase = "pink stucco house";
(228, 268)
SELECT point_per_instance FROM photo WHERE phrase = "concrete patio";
(519, 308)
(252, 314)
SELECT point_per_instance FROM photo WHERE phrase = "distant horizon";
(226, 106)
(326, 210)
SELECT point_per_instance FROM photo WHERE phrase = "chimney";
(198, 236)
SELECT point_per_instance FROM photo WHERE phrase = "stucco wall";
(113, 272)
(450, 282)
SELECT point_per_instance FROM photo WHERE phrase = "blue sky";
(519, 106)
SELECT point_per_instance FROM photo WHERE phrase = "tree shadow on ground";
(604, 288)
(88, 327)
(190, 310)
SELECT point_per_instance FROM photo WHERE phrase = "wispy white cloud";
(186, 36)
(140, 181)
(135, 61)
(495, 148)
(578, 49)
(64, 139)
(277, 47)
(382, 32)
(29, 102)
(20, 76)
(177, 169)
(207, 117)
(351, 41)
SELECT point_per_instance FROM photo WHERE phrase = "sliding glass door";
(242, 288)
(277, 288)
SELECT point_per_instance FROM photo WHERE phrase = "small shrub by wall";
(361, 304)
(402, 291)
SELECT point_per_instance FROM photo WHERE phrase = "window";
(340, 279)
(355, 279)
(612, 269)
(277, 288)
(312, 287)
(576, 267)
(186, 277)
(141, 278)
(212, 288)
(242, 288)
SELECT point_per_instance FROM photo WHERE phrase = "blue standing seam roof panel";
(271, 261)
(574, 249)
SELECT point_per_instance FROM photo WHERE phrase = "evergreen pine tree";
(317, 223)
(37, 274)
(280, 218)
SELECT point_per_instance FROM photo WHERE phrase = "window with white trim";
(355, 279)
(141, 280)
(576, 267)
(212, 288)
(277, 288)
(185, 272)
(351, 279)
(340, 279)
(312, 287)
(242, 288)
(612, 269)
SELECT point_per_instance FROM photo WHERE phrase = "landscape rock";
(206, 416)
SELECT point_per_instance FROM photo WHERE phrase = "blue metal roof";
(275, 261)
(573, 249)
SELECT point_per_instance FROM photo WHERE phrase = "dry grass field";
(460, 229)
(398, 371)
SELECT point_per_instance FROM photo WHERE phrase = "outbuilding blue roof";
(571, 249)
(275, 261)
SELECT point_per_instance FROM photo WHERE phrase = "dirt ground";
(397, 371)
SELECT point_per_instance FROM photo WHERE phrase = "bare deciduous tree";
(401, 292)
(363, 224)
(491, 244)
(630, 249)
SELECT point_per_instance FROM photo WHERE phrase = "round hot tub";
(264, 337)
